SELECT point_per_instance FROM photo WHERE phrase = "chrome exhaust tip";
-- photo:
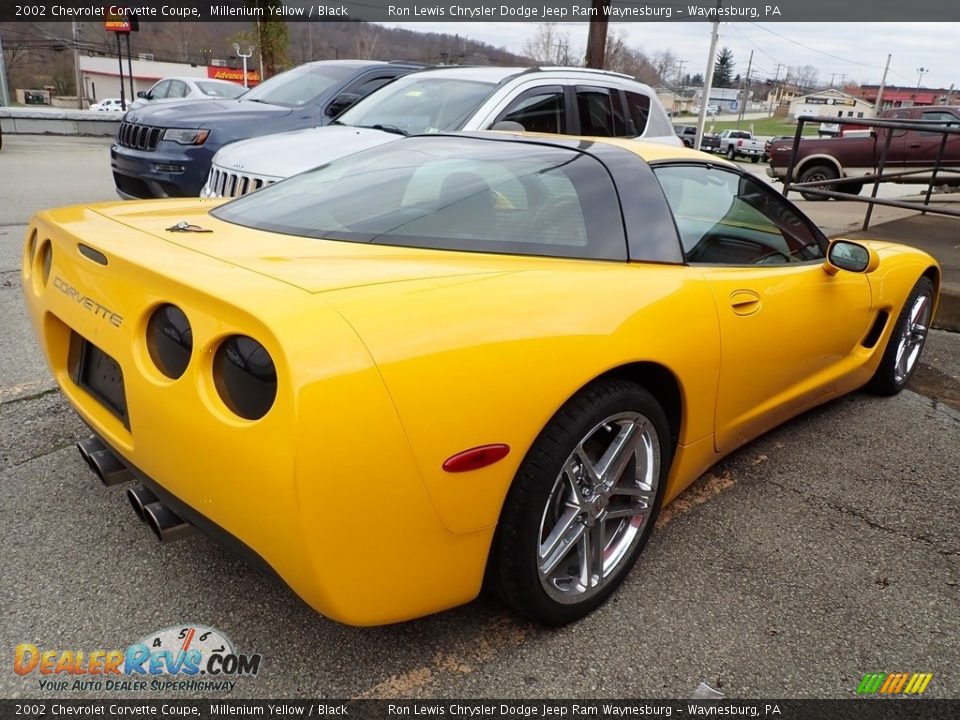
(88, 447)
(103, 462)
(139, 498)
(109, 468)
(166, 524)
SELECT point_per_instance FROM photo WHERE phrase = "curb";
(948, 312)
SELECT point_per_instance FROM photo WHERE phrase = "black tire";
(854, 188)
(731, 154)
(814, 173)
(889, 379)
(754, 159)
(539, 488)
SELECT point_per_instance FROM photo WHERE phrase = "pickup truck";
(710, 143)
(740, 143)
(854, 157)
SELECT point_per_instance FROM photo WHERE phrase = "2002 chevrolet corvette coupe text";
(456, 359)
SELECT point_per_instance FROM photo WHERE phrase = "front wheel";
(583, 503)
(731, 154)
(906, 341)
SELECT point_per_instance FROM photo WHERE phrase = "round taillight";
(245, 376)
(170, 340)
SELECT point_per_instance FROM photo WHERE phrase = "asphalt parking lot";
(820, 552)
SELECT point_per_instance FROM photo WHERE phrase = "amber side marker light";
(476, 458)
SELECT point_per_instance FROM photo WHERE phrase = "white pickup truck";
(740, 143)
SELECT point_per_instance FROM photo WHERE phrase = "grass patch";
(763, 126)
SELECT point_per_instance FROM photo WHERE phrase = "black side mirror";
(341, 102)
(143, 95)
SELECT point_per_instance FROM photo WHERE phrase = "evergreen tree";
(723, 69)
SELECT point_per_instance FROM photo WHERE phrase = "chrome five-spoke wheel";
(912, 337)
(583, 503)
(902, 352)
(599, 503)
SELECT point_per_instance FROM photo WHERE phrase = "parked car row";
(179, 152)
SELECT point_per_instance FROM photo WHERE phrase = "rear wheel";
(817, 173)
(754, 159)
(583, 503)
(903, 349)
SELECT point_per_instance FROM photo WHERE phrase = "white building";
(101, 75)
(831, 103)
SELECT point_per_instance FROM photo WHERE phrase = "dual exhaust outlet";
(165, 524)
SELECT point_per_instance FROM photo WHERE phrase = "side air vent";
(876, 330)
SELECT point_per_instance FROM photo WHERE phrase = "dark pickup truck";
(710, 143)
(855, 157)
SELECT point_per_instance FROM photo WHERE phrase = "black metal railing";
(816, 187)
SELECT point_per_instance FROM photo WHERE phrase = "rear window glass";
(227, 90)
(452, 193)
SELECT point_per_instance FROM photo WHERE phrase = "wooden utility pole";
(746, 91)
(708, 81)
(597, 35)
(877, 106)
(773, 92)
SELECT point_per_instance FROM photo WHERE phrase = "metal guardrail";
(879, 176)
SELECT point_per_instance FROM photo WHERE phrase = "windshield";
(224, 90)
(300, 86)
(451, 193)
(417, 104)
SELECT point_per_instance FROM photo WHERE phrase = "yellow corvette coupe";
(456, 360)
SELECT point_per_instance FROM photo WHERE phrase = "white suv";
(570, 101)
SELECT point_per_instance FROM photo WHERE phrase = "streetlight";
(236, 47)
(921, 71)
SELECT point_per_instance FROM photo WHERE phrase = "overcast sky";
(857, 49)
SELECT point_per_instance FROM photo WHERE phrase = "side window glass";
(368, 85)
(177, 89)
(160, 90)
(538, 111)
(900, 115)
(639, 106)
(727, 219)
(600, 113)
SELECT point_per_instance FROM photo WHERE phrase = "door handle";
(913, 146)
(744, 302)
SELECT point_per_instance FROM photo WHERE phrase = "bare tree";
(550, 46)
(367, 38)
(665, 63)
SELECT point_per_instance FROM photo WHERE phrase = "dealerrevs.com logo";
(180, 658)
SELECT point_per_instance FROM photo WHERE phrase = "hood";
(202, 113)
(311, 264)
(285, 154)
